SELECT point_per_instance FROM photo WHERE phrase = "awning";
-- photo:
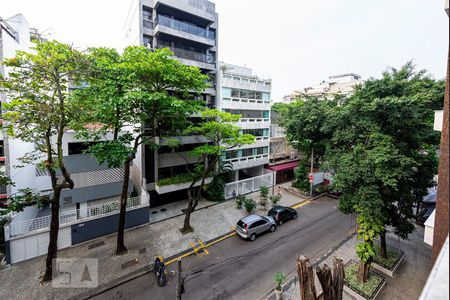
(283, 167)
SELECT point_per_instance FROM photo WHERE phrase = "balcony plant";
(279, 278)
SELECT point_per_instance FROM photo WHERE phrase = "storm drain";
(96, 245)
(129, 264)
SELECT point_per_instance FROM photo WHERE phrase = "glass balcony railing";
(185, 27)
(189, 54)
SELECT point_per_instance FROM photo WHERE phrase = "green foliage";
(239, 201)
(303, 121)
(249, 204)
(263, 193)
(279, 278)
(181, 178)
(368, 230)
(275, 199)
(301, 177)
(216, 189)
(367, 289)
(392, 257)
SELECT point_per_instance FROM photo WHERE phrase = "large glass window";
(266, 96)
(235, 93)
(226, 92)
(266, 114)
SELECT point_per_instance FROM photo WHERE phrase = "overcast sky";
(297, 43)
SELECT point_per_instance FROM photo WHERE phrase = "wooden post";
(306, 279)
(332, 283)
(179, 282)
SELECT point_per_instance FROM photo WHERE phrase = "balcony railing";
(147, 24)
(189, 54)
(252, 120)
(112, 207)
(185, 27)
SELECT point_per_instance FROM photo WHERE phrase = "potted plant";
(279, 278)
(239, 201)
(263, 193)
(249, 205)
(275, 199)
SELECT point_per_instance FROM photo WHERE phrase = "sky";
(296, 43)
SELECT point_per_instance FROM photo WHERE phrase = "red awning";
(283, 167)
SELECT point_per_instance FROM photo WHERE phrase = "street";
(239, 269)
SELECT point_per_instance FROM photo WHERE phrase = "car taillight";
(246, 228)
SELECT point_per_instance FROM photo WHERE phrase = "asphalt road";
(239, 269)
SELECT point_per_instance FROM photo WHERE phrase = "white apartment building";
(247, 95)
(343, 84)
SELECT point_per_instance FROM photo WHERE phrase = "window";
(231, 154)
(226, 92)
(266, 96)
(147, 17)
(147, 41)
(266, 114)
(235, 93)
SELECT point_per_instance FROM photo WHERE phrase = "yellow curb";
(301, 204)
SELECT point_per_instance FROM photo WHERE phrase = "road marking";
(204, 246)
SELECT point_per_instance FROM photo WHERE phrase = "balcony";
(205, 61)
(193, 32)
(249, 162)
(245, 104)
(253, 123)
(177, 183)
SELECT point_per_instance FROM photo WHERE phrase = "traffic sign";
(311, 178)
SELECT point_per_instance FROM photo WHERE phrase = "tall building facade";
(189, 28)
(245, 94)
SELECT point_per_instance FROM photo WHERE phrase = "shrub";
(216, 189)
(249, 205)
(301, 178)
(275, 199)
(279, 278)
(264, 192)
(239, 201)
(182, 178)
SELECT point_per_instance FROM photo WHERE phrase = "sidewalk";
(408, 280)
(21, 281)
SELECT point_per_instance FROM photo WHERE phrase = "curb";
(270, 296)
(171, 259)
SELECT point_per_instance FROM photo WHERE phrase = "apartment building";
(189, 28)
(343, 84)
(245, 94)
(87, 211)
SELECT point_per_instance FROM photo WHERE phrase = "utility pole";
(311, 173)
(179, 281)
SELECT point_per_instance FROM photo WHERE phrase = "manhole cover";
(154, 212)
(163, 209)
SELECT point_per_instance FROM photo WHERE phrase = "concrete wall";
(92, 229)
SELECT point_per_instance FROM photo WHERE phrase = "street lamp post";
(311, 181)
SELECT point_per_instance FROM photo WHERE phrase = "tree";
(303, 121)
(379, 139)
(139, 95)
(222, 135)
(39, 112)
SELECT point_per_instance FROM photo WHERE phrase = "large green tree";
(138, 95)
(222, 135)
(39, 112)
(303, 121)
(383, 142)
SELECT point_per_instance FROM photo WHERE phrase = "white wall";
(438, 119)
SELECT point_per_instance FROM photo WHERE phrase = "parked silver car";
(251, 226)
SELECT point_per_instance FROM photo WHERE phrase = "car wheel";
(294, 216)
(280, 222)
(272, 228)
(252, 237)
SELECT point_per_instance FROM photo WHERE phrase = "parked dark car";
(251, 226)
(282, 214)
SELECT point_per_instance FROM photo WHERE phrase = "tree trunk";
(363, 272)
(120, 248)
(332, 283)
(306, 279)
(52, 251)
(383, 248)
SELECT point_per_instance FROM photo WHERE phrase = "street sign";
(311, 178)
